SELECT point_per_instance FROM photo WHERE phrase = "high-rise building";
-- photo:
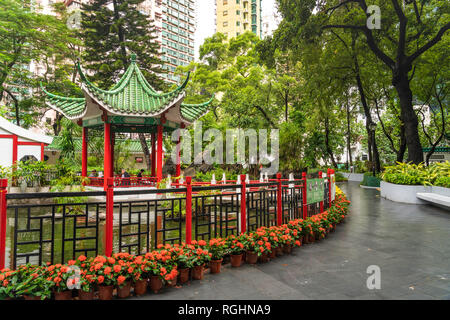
(234, 17)
(176, 24)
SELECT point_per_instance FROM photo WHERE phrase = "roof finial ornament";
(133, 57)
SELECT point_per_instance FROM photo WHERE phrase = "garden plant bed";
(106, 277)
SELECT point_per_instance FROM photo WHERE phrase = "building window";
(225, 13)
(225, 24)
(238, 1)
(225, 2)
(238, 12)
(238, 23)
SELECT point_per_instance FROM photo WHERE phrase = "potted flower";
(217, 247)
(87, 278)
(184, 261)
(140, 277)
(273, 234)
(8, 279)
(122, 274)
(200, 256)
(31, 283)
(104, 276)
(236, 249)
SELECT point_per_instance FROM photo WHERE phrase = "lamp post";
(373, 127)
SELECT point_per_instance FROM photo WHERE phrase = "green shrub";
(418, 174)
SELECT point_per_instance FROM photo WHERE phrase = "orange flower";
(81, 258)
(117, 268)
(120, 280)
(100, 279)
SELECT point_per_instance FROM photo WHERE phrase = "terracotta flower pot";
(214, 265)
(279, 251)
(83, 295)
(32, 297)
(63, 295)
(236, 260)
(105, 292)
(156, 283)
(197, 272)
(173, 282)
(226, 259)
(264, 257)
(287, 248)
(183, 275)
(251, 257)
(273, 254)
(140, 287)
(124, 291)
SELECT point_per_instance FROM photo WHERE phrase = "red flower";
(117, 268)
(120, 280)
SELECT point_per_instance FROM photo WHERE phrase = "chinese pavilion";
(130, 106)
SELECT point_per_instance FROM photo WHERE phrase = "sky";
(206, 16)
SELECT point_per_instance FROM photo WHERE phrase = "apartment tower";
(234, 17)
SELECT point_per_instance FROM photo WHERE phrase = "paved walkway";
(410, 243)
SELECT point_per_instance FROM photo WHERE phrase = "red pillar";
(14, 155)
(113, 141)
(42, 151)
(321, 202)
(188, 210)
(109, 216)
(3, 186)
(305, 203)
(279, 201)
(107, 154)
(243, 205)
(159, 154)
(84, 153)
(153, 154)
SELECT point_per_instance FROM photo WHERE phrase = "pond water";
(43, 236)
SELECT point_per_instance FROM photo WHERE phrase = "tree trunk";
(408, 116)
(402, 149)
(349, 150)
(145, 150)
(327, 143)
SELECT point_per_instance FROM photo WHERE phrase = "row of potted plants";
(169, 265)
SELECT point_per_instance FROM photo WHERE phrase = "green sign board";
(314, 190)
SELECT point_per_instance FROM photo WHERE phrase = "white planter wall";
(407, 194)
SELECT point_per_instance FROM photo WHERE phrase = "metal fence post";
(188, 210)
(279, 201)
(243, 205)
(321, 202)
(109, 216)
(3, 186)
(305, 204)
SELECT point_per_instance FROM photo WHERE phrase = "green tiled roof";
(133, 146)
(191, 112)
(131, 95)
(72, 108)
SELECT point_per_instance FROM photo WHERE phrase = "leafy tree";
(406, 33)
(111, 29)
